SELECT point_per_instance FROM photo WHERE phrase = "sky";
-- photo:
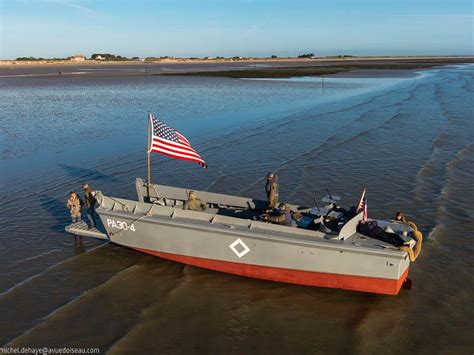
(198, 28)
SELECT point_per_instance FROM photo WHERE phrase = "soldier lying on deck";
(372, 230)
(193, 203)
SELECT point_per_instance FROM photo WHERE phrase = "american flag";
(363, 206)
(170, 142)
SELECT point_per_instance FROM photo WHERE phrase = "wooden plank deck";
(81, 228)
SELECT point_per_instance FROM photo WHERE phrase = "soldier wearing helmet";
(281, 216)
(194, 203)
(271, 188)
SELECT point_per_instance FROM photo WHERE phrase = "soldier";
(371, 229)
(74, 204)
(282, 217)
(193, 203)
(400, 218)
(89, 197)
(271, 188)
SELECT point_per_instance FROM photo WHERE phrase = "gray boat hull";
(255, 249)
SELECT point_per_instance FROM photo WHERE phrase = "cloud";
(74, 4)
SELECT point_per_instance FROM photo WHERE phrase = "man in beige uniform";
(271, 188)
(74, 204)
(193, 203)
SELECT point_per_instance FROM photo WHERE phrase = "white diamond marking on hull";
(242, 244)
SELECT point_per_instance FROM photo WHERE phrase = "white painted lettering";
(120, 225)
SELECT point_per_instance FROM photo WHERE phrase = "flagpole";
(361, 198)
(148, 158)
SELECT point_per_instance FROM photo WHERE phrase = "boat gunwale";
(252, 233)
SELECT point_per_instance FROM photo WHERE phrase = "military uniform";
(272, 193)
(271, 188)
(74, 204)
(89, 197)
(194, 204)
(283, 216)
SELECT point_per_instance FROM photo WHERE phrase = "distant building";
(99, 57)
(308, 56)
(78, 58)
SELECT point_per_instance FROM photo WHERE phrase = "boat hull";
(251, 252)
(299, 277)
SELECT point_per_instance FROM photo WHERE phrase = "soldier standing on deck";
(89, 197)
(74, 204)
(271, 188)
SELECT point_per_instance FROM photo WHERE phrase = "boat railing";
(196, 215)
(285, 229)
(144, 208)
(175, 196)
(231, 221)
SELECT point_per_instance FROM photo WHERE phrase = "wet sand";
(378, 73)
(235, 69)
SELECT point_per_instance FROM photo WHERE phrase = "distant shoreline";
(240, 68)
(232, 60)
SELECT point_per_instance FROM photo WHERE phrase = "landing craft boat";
(225, 237)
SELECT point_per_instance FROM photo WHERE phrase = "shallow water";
(408, 140)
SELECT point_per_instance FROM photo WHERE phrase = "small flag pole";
(148, 154)
(361, 198)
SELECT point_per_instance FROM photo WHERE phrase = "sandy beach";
(244, 68)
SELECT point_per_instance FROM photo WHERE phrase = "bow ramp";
(80, 228)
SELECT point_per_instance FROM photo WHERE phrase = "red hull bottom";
(308, 278)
